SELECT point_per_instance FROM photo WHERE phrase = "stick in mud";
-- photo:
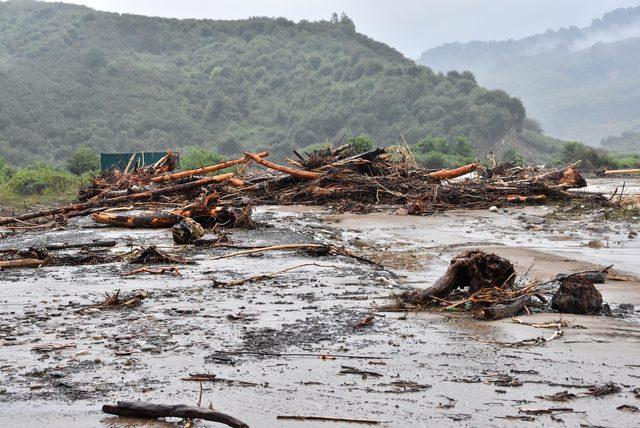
(330, 419)
(261, 277)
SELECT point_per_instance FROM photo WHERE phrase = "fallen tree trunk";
(448, 174)
(141, 409)
(298, 173)
(204, 170)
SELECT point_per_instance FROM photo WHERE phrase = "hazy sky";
(411, 26)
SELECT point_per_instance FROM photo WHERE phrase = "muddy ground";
(263, 340)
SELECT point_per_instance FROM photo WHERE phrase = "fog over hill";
(581, 83)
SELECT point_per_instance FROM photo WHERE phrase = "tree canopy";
(71, 76)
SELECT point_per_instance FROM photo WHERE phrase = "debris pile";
(486, 284)
(362, 181)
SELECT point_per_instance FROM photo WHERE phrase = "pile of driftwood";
(337, 177)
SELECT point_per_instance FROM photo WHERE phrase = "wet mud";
(296, 344)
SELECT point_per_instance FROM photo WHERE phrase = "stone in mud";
(187, 231)
(575, 296)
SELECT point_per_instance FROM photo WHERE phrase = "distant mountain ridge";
(581, 83)
(72, 76)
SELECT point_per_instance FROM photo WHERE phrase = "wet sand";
(433, 369)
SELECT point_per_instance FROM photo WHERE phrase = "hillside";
(581, 83)
(72, 76)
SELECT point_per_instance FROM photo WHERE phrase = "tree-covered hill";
(581, 83)
(72, 76)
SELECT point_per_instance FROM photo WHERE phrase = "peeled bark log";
(298, 173)
(473, 269)
(156, 220)
(20, 263)
(171, 189)
(621, 171)
(141, 409)
(524, 199)
(204, 170)
(448, 174)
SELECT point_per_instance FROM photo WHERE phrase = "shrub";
(512, 156)
(195, 157)
(84, 160)
(39, 178)
(439, 152)
(360, 144)
(591, 158)
(5, 171)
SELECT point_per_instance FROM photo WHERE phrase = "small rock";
(493, 209)
(633, 234)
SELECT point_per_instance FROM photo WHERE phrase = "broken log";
(506, 310)
(21, 263)
(448, 174)
(621, 171)
(474, 269)
(298, 173)
(171, 189)
(141, 409)
(204, 170)
(524, 199)
(155, 220)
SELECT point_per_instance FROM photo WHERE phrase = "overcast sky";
(411, 26)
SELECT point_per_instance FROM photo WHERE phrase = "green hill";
(581, 83)
(72, 76)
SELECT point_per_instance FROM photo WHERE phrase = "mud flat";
(292, 345)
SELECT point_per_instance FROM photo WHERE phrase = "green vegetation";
(595, 159)
(36, 183)
(195, 157)
(360, 144)
(71, 76)
(513, 156)
(83, 161)
(441, 152)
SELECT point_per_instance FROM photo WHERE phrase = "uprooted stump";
(474, 269)
(187, 231)
(577, 295)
